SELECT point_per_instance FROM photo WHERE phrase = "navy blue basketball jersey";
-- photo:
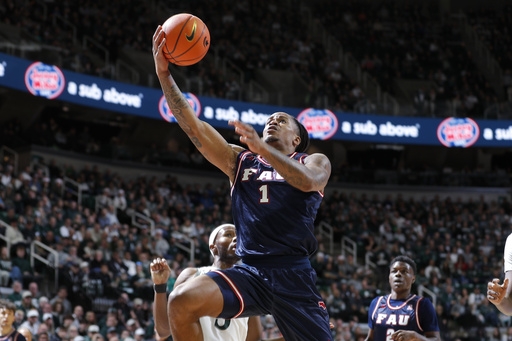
(13, 336)
(387, 316)
(272, 218)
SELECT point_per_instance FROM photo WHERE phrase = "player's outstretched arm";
(500, 294)
(206, 139)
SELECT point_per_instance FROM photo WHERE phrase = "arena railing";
(7, 153)
(4, 238)
(140, 220)
(422, 290)
(76, 192)
(368, 263)
(349, 246)
(37, 246)
(326, 230)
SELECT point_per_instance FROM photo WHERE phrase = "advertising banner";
(50, 82)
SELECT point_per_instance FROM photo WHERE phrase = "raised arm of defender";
(206, 139)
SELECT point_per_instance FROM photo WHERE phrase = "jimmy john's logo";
(44, 80)
(320, 124)
(166, 113)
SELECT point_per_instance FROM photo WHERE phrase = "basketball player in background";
(276, 191)
(500, 294)
(222, 246)
(402, 316)
(7, 330)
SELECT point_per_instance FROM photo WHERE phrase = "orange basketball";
(187, 39)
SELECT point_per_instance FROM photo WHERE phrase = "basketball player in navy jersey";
(276, 191)
(402, 316)
(7, 330)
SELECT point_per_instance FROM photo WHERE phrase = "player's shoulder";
(509, 238)
(185, 275)
(237, 149)
(377, 299)
(17, 336)
(318, 158)
(424, 301)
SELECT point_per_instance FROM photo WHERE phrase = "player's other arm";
(500, 294)
(310, 176)
(160, 272)
(206, 139)
(412, 335)
(313, 175)
(369, 337)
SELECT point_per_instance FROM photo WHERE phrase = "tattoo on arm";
(177, 103)
(196, 142)
(298, 180)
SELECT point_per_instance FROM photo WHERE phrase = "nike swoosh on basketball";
(189, 38)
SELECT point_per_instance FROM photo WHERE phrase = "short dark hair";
(404, 259)
(6, 304)
(303, 146)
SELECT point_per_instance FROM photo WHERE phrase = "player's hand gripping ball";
(187, 39)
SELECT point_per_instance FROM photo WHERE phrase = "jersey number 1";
(264, 194)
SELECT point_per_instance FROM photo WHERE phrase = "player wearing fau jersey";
(276, 191)
(401, 315)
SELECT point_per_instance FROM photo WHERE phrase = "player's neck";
(286, 150)
(6, 330)
(401, 295)
(222, 264)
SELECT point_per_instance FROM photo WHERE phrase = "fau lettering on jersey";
(272, 218)
(387, 316)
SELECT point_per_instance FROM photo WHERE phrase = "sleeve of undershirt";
(507, 254)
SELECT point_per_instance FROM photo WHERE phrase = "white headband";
(214, 233)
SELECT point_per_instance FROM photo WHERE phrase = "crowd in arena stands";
(282, 44)
(397, 41)
(390, 41)
(456, 243)
(95, 140)
(493, 28)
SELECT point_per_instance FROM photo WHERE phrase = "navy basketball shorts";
(286, 291)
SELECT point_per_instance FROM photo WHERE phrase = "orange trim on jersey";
(238, 167)
(400, 306)
(376, 306)
(235, 290)
(417, 313)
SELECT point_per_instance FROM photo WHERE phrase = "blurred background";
(91, 192)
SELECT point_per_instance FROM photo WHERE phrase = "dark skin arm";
(160, 272)
(500, 294)
(409, 335)
(206, 139)
(310, 176)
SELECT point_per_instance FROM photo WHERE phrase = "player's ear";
(213, 249)
(413, 279)
(296, 141)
